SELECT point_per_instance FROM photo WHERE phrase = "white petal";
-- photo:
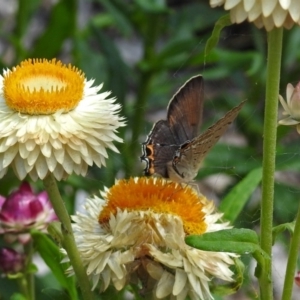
(75, 155)
(229, 4)
(51, 163)
(119, 283)
(268, 23)
(238, 14)
(268, 7)
(155, 270)
(41, 167)
(115, 266)
(165, 285)
(295, 10)
(106, 276)
(254, 13)
(180, 282)
(249, 4)
(279, 16)
(59, 154)
(19, 168)
(285, 3)
(9, 156)
(59, 172)
(288, 121)
(32, 157)
(46, 149)
(30, 145)
(214, 3)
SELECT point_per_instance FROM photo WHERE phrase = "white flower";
(136, 234)
(291, 106)
(264, 13)
(53, 120)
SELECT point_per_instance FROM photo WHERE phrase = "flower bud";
(23, 210)
(11, 262)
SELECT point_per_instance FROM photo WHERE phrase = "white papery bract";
(54, 120)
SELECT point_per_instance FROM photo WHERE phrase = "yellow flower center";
(159, 196)
(43, 87)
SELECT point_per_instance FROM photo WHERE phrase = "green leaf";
(290, 227)
(152, 6)
(24, 16)
(53, 294)
(214, 39)
(235, 240)
(17, 296)
(236, 199)
(52, 257)
(232, 287)
(120, 17)
(240, 241)
(61, 26)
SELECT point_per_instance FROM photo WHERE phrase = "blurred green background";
(143, 51)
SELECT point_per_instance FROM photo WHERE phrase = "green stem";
(29, 275)
(269, 150)
(292, 260)
(68, 237)
(23, 287)
(146, 72)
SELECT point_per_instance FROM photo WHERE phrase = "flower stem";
(29, 275)
(68, 237)
(269, 150)
(146, 73)
(292, 260)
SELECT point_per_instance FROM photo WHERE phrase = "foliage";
(144, 51)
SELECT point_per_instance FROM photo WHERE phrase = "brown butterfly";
(174, 149)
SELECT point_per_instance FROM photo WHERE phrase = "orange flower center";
(43, 87)
(159, 196)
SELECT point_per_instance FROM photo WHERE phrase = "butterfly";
(174, 149)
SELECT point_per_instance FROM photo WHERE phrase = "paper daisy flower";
(136, 234)
(53, 120)
(264, 13)
(291, 106)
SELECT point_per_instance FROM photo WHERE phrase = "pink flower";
(23, 210)
(297, 278)
(11, 261)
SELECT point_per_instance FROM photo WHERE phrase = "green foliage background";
(143, 51)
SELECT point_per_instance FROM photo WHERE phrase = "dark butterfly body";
(174, 149)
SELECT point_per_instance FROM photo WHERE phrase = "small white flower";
(138, 233)
(53, 120)
(291, 106)
(263, 13)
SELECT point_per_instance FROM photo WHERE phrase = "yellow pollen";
(43, 87)
(159, 196)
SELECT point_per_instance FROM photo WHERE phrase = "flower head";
(136, 233)
(291, 106)
(264, 13)
(11, 262)
(23, 210)
(53, 120)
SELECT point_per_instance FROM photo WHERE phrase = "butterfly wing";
(159, 149)
(189, 156)
(182, 124)
(185, 110)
